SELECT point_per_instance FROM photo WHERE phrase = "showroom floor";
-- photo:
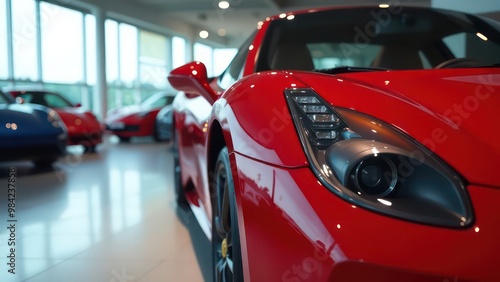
(104, 217)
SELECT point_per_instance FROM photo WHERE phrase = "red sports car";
(83, 126)
(348, 144)
(137, 120)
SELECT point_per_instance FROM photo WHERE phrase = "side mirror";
(192, 79)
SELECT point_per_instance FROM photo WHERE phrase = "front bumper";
(39, 148)
(294, 229)
(85, 138)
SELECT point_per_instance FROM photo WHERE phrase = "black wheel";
(156, 134)
(88, 149)
(226, 251)
(124, 139)
(180, 197)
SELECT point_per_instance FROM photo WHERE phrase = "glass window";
(456, 43)
(55, 101)
(235, 69)
(153, 46)
(111, 34)
(27, 98)
(4, 99)
(62, 44)
(4, 67)
(72, 92)
(332, 55)
(153, 76)
(152, 60)
(158, 100)
(222, 58)
(90, 48)
(24, 33)
(128, 54)
(178, 52)
(203, 53)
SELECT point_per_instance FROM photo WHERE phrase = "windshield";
(4, 99)
(402, 38)
(51, 100)
(157, 101)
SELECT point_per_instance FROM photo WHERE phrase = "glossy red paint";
(136, 124)
(306, 226)
(137, 120)
(294, 228)
(83, 126)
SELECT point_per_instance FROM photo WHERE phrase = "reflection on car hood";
(28, 118)
(442, 109)
(126, 110)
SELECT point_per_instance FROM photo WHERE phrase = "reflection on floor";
(105, 217)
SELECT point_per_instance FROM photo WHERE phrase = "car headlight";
(54, 119)
(376, 166)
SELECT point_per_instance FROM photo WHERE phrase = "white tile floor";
(104, 217)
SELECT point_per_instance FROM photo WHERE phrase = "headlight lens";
(374, 165)
(54, 119)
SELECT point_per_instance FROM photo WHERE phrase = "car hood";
(75, 112)
(127, 111)
(451, 112)
(77, 117)
(26, 117)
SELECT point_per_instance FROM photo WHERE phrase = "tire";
(124, 139)
(180, 197)
(156, 134)
(89, 149)
(226, 248)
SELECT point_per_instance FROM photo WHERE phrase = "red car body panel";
(281, 157)
(292, 227)
(142, 123)
(282, 207)
(83, 129)
(137, 120)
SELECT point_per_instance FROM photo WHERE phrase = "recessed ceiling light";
(203, 34)
(221, 32)
(224, 5)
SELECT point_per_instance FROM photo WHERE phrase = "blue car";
(30, 132)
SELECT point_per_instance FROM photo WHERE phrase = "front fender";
(256, 122)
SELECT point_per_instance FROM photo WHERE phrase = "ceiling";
(240, 20)
(189, 17)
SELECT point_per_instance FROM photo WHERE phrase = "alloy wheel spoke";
(229, 264)
(225, 217)
(219, 271)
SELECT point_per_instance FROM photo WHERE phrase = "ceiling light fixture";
(224, 5)
(221, 32)
(203, 34)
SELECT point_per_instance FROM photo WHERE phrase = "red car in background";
(347, 144)
(137, 120)
(83, 126)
